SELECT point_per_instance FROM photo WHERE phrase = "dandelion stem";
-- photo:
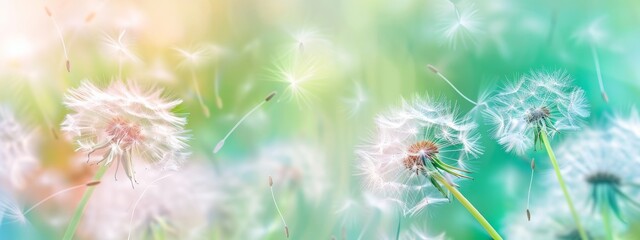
(477, 215)
(286, 228)
(556, 168)
(437, 72)
(596, 61)
(606, 221)
(77, 215)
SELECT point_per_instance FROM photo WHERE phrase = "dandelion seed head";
(421, 138)
(538, 101)
(126, 124)
(17, 149)
(181, 204)
(600, 166)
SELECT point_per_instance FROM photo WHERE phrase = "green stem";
(399, 222)
(75, 220)
(606, 221)
(556, 168)
(485, 224)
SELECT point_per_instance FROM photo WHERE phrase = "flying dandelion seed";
(217, 90)
(221, 143)
(600, 167)
(88, 184)
(286, 228)
(121, 49)
(477, 104)
(192, 59)
(418, 151)
(307, 39)
(462, 28)
(358, 99)
(126, 124)
(59, 32)
(419, 233)
(299, 75)
(556, 224)
(18, 156)
(9, 208)
(595, 36)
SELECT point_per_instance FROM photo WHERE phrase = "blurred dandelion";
(556, 224)
(176, 205)
(601, 167)
(538, 104)
(462, 27)
(9, 209)
(594, 35)
(357, 100)
(17, 150)
(418, 151)
(126, 124)
(308, 39)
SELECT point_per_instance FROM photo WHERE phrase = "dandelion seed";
(463, 28)
(594, 35)
(89, 184)
(358, 99)
(126, 124)
(192, 59)
(221, 143)
(299, 75)
(122, 50)
(64, 46)
(437, 72)
(286, 228)
(533, 167)
(9, 208)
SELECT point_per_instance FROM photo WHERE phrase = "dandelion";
(600, 165)
(125, 124)
(595, 36)
(419, 150)
(177, 205)
(222, 142)
(536, 105)
(17, 150)
(299, 75)
(477, 104)
(463, 27)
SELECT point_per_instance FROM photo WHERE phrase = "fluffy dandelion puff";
(538, 102)
(414, 145)
(17, 149)
(125, 124)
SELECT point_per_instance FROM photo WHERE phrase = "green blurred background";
(359, 58)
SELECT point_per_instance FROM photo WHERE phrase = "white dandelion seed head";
(600, 167)
(409, 142)
(540, 99)
(17, 149)
(461, 25)
(180, 204)
(127, 125)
